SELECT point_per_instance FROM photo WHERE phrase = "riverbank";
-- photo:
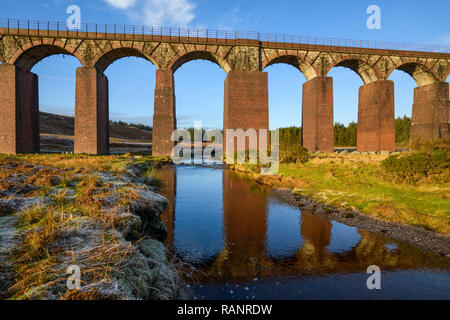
(99, 214)
(350, 188)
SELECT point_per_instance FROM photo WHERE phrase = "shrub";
(426, 145)
(293, 153)
(418, 166)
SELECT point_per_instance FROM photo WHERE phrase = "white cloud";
(236, 19)
(122, 4)
(174, 13)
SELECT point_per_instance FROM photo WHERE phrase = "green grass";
(357, 182)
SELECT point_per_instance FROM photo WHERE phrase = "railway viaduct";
(243, 56)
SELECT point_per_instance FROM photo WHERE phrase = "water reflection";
(243, 242)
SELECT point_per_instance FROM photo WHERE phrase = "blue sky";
(199, 84)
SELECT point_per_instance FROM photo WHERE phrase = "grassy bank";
(98, 213)
(358, 181)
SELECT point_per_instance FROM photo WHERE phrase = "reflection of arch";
(201, 55)
(30, 54)
(367, 73)
(419, 72)
(303, 65)
(103, 60)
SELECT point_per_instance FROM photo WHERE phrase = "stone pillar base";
(246, 104)
(19, 111)
(317, 115)
(376, 117)
(164, 118)
(91, 112)
(431, 111)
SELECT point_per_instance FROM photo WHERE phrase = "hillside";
(57, 135)
(62, 125)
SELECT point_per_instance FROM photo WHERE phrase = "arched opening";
(420, 73)
(102, 62)
(199, 93)
(56, 102)
(33, 54)
(131, 83)
(47, 106)
(404, 86)
(346, 84)
(200, 55)
(285, 99)
(362, 69)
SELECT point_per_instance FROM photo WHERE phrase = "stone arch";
(364, 70)
(303, 65)
(104, 59)
(31, 53)
(419, 72)
(200, 55)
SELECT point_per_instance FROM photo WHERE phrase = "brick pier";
(376, 118)
(431, 111)
(91, 112)
(317, 115)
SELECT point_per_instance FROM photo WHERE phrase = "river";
(237, 240)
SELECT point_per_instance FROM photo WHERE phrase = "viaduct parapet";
(243, 56)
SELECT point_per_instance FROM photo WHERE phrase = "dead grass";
(92, 294)
(44, 248)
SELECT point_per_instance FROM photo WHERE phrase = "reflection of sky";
(199, 237)
(343, 238)
(401, 284)
(198, 224)
(391, 246)
(283, 234)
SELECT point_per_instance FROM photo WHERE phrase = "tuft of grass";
(150, 178)
(92, 294)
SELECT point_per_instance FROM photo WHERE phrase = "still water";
(238, 241)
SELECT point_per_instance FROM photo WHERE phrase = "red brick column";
(376, 117)
(164, 118)
(91, 112)
(431, 111)
(19, 110)
(317, 115)
(246, 102)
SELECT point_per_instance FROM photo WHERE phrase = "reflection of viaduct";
(245, 255)
(243, 56)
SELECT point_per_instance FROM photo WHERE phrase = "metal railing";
(114, 31)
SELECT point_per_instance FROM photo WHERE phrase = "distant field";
(63, 125)
(57, 135)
